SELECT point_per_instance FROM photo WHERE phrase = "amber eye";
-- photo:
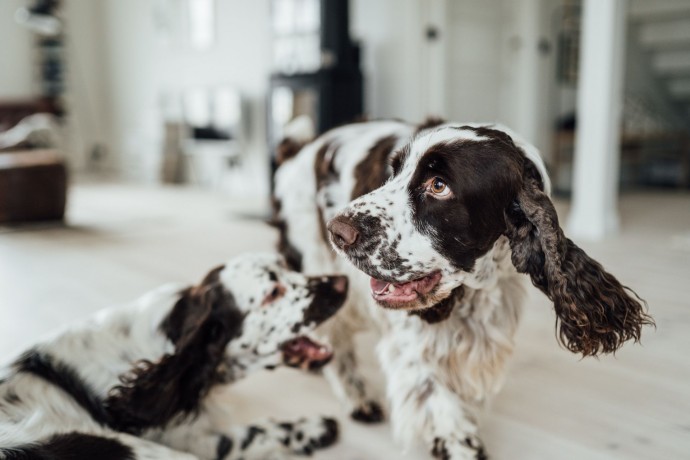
(438, 187)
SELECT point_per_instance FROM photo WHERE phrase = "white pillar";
(594, 211)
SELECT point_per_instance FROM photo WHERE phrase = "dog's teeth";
(391, 288)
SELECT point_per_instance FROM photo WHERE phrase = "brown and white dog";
(140, 382)
(436, 224)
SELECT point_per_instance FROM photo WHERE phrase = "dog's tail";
(296, 134)
(71, 446)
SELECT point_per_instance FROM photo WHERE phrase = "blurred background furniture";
(33, 186)
(33, 174)
(204, 136)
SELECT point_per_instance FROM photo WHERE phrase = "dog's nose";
(342, 232)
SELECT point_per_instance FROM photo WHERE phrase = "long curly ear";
(152, 394)
(595, 312)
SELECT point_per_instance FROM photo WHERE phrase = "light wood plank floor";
(123, 240)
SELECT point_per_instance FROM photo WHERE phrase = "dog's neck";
(491, 267)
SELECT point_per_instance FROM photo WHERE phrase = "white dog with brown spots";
(435, 225)
(143, 381)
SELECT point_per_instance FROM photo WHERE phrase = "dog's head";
(270, 312)
(251, 313)
(280, 309)
(456, 195)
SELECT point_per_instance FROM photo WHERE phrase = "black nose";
(343, 233)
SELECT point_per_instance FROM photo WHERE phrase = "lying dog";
(437, 223)
(138, 382)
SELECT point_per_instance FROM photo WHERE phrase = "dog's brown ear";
(188, 315)
(200, 325)
(192, 309)
(595, 312)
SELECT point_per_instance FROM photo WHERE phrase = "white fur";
(108, 345)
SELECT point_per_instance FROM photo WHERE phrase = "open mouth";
(305, 353)
(395, 294)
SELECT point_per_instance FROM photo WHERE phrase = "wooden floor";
(123, 240)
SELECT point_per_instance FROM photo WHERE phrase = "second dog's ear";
(595, 312)
(202, 322)
(192, 308)
(187, 316)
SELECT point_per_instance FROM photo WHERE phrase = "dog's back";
(324, 177)
(56, 386)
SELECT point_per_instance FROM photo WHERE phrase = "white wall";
(140, 67)
(492, 68)
(16, 59)
(390, 32)
(128, 68)
(525, 72)
(496, 72)
(85, 97)
(475, 39)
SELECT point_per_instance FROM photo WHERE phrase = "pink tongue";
(421, 286)
(378, 286)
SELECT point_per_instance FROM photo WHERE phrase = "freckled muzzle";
(359, 236)
(395, 282)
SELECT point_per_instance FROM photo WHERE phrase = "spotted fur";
(140, 381)
(443, 351)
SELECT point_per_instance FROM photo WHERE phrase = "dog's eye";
(438, 187)
(276, 293)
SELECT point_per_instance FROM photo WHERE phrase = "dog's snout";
(343, 233)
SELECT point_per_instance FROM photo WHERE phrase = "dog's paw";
(470, 448)
(369, 412)
(307, 435)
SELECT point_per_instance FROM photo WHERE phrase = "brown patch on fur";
(595, 312)
(287, 149)
(323, 167)
(372, 171)
(430, 122)
(201, 324)
(324, 173)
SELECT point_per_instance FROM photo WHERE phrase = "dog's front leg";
(345, 377)
(422, 402)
